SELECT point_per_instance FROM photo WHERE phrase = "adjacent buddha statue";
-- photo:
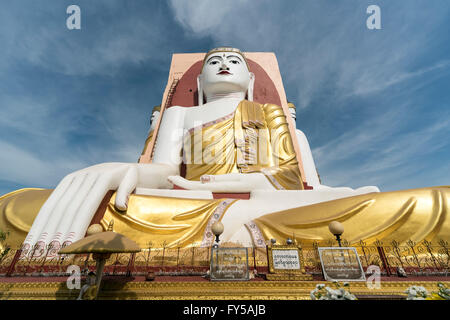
(227, 144)
(153, 119)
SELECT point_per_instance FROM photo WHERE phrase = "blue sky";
(374, 104)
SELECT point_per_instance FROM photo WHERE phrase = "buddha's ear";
(200, 89)
(251, 85)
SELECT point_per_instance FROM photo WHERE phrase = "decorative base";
(204, 290)
(288, 277)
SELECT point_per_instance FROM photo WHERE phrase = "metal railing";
(417, 259)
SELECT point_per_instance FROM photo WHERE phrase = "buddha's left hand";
(231, 182)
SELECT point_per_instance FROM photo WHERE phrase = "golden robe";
(255, 138)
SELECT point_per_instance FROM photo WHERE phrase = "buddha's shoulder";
(176, 110)
(264, 106)
(271, 107)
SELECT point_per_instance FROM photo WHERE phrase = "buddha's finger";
(75, 204)
(58, 212)
(106, 181)
(220, 177)
(127, 186)
(187, 184)
(44, 213)
(222, 186)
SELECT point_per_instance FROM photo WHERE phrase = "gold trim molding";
(248, 290)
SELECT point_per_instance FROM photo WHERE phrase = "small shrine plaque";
(286, 263)
(229, 264)
(341, 264)
(285, 259)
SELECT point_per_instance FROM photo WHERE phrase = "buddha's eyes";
(233, 61)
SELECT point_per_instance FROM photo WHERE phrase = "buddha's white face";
(225, 72)
(153, 119)
(293, 113)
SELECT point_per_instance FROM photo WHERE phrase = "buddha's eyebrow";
(230, 56)
(213, 58)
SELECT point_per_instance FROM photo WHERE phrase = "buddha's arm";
(166, 160)
(230, 182)
(169, 141)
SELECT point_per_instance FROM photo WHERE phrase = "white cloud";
(36, 140)
(107, 40)
(23, 167)
(205, 16)
(32, 117)
(379, 153)
(368, 83)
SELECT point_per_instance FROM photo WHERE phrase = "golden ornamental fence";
(417, 259)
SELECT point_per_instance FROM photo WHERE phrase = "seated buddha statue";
(227, 144)
(153, 119)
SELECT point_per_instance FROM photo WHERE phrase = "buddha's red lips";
(224, 72)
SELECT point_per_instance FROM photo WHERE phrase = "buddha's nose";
(223, 66)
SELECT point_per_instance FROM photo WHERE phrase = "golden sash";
(255, 138)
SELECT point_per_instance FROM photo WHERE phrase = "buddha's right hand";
(230, 182)
(69, 210)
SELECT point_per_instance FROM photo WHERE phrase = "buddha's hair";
(225, 49)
